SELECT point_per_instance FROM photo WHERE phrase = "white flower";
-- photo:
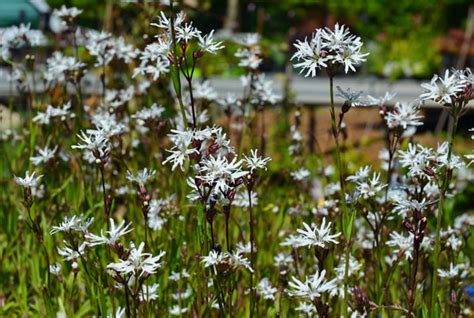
(265, 289)
(176, 310)
(92, 140)
(182, 295)
(74, 223)
(118, 98)
(60, 68)
(208, 44)
(241, 199)
(110, 237)
(155, 219)
(204, 90)
(354, 267)
(381, 101)
(212, 259)
(54, 112)
(105, 47)
(44, 155)
(119, 313)
(453, 242)
(292, 240)
(29, 180)
(149, 292)
(443, 90)
(326, 47)
(138, 262)
(306, 308)
(370, 187)
(404, 115)
(402, 205)
(300, 174)
(70, 254)
(177, 276)
(220, 172)
(283, 260)
(180, 152)
(451, 273)
(55, 268)
(402, 244)
(417, 159)
(248, 39)
(151, 113)
(354, 98)
(19, 37)
(142, 176)
(254, 161)
(464, 221)
(313, 236)
(66, 13)
(235, 260)
(313, 287)
(311, 54)
(186, 32)
(241, 248)
(361, 174)
(249, 57)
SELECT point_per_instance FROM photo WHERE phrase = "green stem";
(177, 79)
(342, 193)
(252, 254)
(445, 186)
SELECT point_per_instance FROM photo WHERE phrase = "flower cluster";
(329, 48)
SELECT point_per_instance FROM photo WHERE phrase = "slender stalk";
(252, 255)
(48, 263)
(444, 189)
(127, 301)
(393, 146)
(342, 194)
(414, 269)
(177, 80)
(102, 79)
(193, 110)
(227, 217)
(106, 205)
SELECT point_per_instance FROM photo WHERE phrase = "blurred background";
(408, 42)
(406, 39)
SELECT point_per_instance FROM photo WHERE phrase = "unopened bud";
(407, 225)
(423, 223)
(346, 106)
(417, 215)
(170, 58)
(196, 143)
(429, 171)
(197, 54)
(213, 148)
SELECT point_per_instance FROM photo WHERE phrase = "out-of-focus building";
(15, 12)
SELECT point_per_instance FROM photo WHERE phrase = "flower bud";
(346, 106)
(197, 54)
(417, 215)
(407, 225)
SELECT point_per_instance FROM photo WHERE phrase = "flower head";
(254, 161)
(29, 180)
(142, 176)
(313, 287)
(110, 237)
(443, 90)
(138, 262)
(329, 47)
